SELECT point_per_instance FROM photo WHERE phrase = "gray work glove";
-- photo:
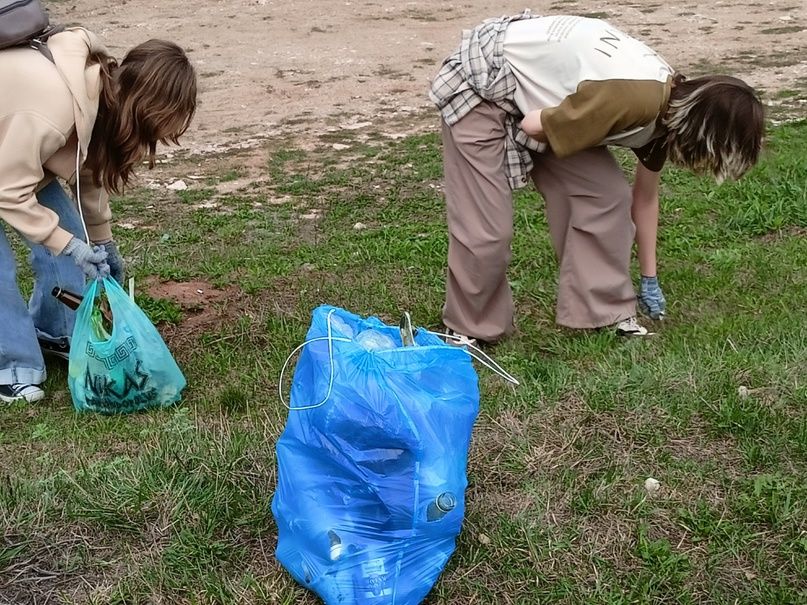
(117, 268)
(90, 260)
(651, 299)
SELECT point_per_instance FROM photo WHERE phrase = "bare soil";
(324, 74)
(303, 69)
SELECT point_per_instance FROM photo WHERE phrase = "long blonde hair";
(149, 97)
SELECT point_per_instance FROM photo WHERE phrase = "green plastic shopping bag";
(123, 369)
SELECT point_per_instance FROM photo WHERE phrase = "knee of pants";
(491, 257)
(603, 213)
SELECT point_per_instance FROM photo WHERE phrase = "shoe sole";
(453, 340)
(634, 334)
(32, 399)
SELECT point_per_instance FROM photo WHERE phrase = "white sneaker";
(460, 340)
(9, 393)
(631, 327)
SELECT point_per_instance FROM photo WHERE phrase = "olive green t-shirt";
(611, 112)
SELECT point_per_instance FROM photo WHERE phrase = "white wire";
(78, 193)
(487, 361)
(330, 338)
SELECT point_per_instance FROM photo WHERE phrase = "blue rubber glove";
(117, 268)
(90, 260)
(651, 298)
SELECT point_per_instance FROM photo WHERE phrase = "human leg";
(588, 203)
(479, 207)
(21, 360)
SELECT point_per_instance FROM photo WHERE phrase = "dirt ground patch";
(303, 69)
(188, 295)
(203, 306)
(226, 312)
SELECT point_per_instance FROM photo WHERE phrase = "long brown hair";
(149, 97)
(714, 124)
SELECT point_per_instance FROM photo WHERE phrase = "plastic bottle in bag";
(373, 340)
(339, 327)
(335, 550)
(441, 506)
(372, 579)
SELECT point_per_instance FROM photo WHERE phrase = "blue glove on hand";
(90, 260)
(117, 268)
(651, 299)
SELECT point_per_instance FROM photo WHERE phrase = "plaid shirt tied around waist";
(476, 72)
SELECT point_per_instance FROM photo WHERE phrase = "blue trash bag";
(127, 370)
(371, 463)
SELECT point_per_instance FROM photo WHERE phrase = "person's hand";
(90, 260)
(532, 125)
(117, 268)
(651, 298)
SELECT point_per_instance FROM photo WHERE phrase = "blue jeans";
(44, 316)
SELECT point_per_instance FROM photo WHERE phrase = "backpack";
(26, 23)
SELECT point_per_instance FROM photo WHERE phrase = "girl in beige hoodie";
(90, 121)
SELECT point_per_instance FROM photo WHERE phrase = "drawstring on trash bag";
(487, 361)
(330, 338)
(479, 356)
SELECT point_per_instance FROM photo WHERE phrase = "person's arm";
(95, 207)
(97, 217)
(25, 140)
(596, 110)
(645, 216)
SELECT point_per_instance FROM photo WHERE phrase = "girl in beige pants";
(588, 205)
(543, 96)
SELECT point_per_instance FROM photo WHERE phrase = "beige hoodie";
(45, 110)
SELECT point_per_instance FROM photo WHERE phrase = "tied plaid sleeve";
(476, 72)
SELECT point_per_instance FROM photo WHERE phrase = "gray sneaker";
(460, 340)
(631, 327)
(10, 393)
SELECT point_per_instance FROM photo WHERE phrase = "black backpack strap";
(40, 42)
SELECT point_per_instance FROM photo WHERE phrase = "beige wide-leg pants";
(588, 202)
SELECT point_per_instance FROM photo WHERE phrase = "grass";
(172, 506)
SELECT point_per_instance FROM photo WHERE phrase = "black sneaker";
(60, 348)
(9, 393)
